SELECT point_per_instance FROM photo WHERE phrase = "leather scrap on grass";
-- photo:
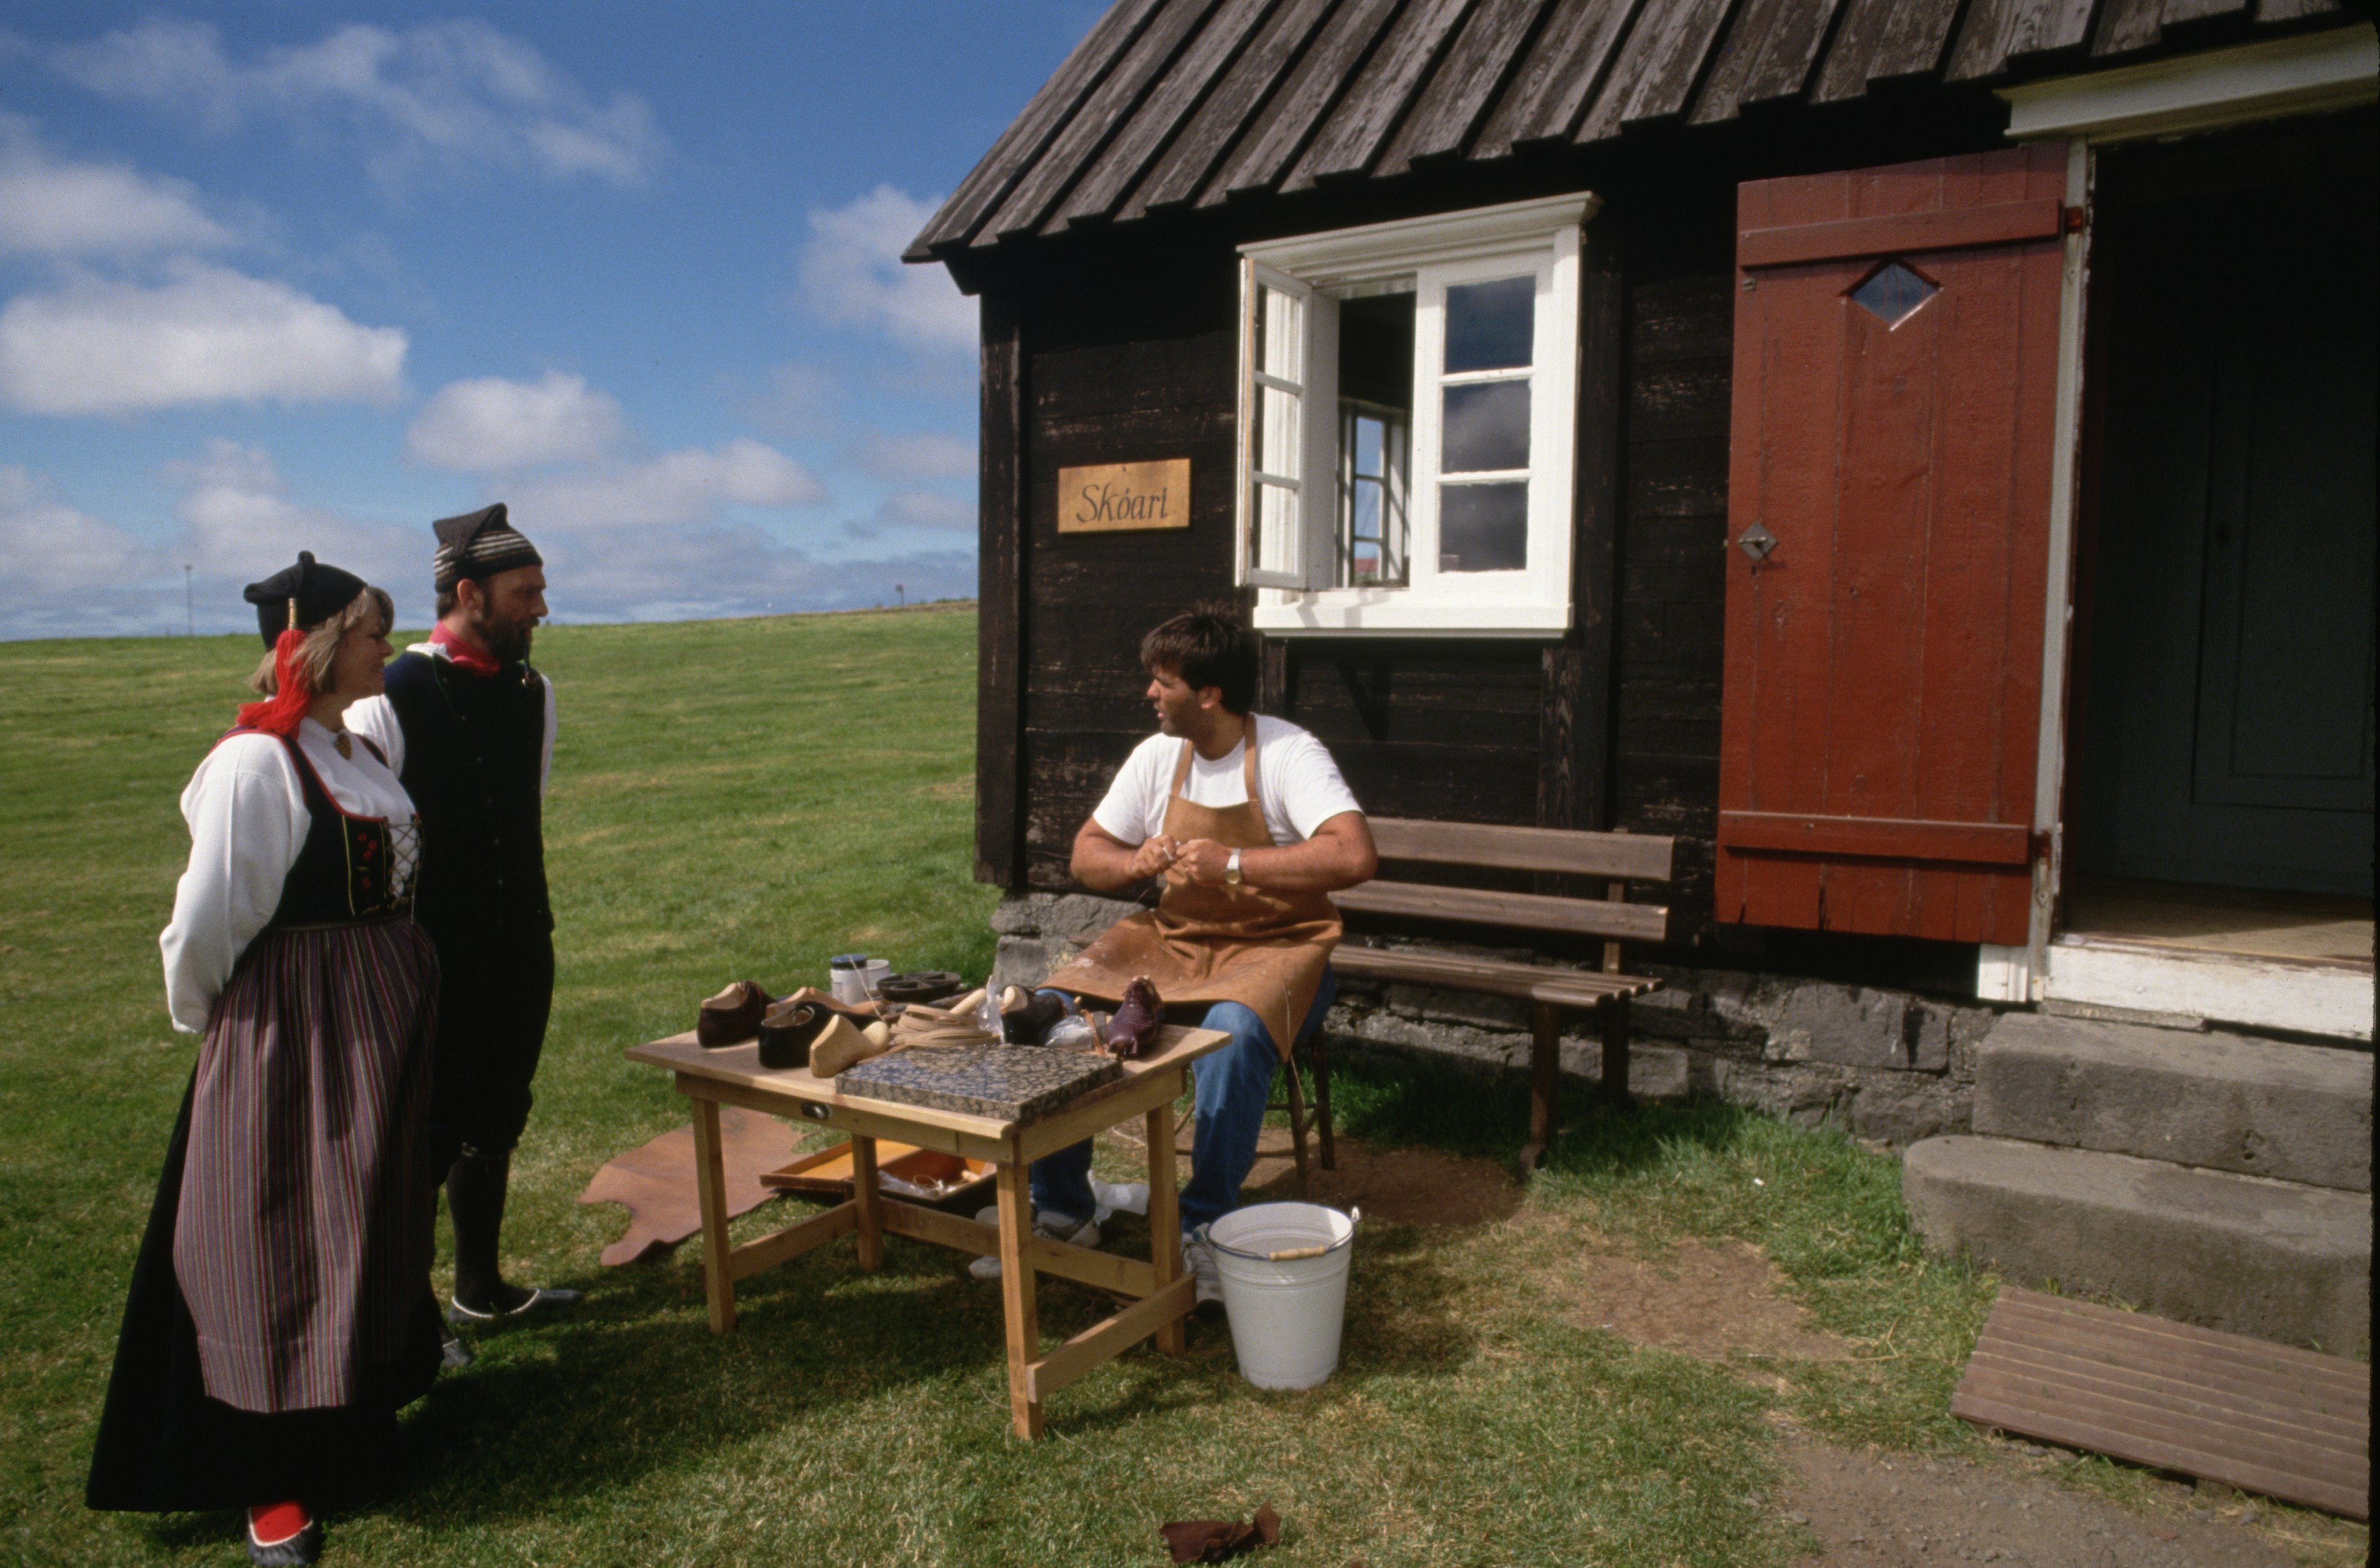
(655, 1181)
(1215, 1540)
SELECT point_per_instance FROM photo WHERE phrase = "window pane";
(1892, 294)
(1486, 427)
(1376, 349)
(1489, 327)
(1276, 523)
(1372, 515)
(1275, 432)
(1483, 527)
(1279, 337)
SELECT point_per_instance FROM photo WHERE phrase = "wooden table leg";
(865, 1197)
(1545, 1081)
(1018, 1308)
(1165, 1219)
(711, 1184)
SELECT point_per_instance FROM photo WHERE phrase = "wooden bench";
(1553, 994)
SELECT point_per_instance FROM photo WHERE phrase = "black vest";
(345, 872)
(474, 745)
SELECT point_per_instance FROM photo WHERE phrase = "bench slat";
(1628, 856)
(1528, 983)
(1640, 922)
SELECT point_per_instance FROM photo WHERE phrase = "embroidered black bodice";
(347, 871)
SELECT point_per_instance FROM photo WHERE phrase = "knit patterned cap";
(478, 544)
(303, 596)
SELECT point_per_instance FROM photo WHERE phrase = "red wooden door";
(1896, 364)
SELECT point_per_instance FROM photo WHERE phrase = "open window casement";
(1407, 412)
(1289, 351)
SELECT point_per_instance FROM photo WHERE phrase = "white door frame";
(2306, 73)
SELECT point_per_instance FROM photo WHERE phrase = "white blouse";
(247, 811)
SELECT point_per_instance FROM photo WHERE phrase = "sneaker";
(1052, 1227)
(1198, 1256)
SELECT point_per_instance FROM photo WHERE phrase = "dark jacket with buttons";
(474, 754)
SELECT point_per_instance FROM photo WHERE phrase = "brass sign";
(1125, 495)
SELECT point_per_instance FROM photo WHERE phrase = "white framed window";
(1408, 408)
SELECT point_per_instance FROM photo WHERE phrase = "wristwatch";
(1231, 869)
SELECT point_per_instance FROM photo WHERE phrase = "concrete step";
(2215, 1101)
(2246, 1254)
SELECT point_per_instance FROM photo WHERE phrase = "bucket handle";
(1291, 1254)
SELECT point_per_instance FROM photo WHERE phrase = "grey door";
(2226, 657)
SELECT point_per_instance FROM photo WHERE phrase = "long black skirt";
(165, 1446)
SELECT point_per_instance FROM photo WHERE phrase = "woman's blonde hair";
(314, 655)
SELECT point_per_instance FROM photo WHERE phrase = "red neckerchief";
(461, 654)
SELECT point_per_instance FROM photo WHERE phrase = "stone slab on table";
(1009, 1082)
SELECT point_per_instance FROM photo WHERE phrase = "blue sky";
(295, 277)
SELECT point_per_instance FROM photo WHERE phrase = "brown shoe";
(732, 1016)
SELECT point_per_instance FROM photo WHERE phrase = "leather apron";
(1212, 942)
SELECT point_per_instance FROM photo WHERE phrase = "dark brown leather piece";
(732, 1016)
(1133, 1032)
(1029, 1025)
(1214, 1540)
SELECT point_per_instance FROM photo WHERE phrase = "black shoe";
(305, 1546)
(539, 1300)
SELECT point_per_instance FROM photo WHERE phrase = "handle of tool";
(1292, 1255)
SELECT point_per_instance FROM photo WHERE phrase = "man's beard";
(506, 640)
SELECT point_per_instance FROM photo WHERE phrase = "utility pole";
(189, 605)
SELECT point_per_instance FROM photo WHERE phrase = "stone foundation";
(1888, 1065)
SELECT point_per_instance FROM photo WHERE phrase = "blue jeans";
(1229, 1087)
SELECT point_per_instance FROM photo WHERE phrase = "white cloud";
(52, 206)
(238, 520)
(916, 509)
(709, 569)
(923, 455)
(67, 574)
(852, 273)
(674, 487)
(451, 93)
(47, 548)
(209, 335)
(490, 424)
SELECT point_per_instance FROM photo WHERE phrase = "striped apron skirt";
(281, 1309)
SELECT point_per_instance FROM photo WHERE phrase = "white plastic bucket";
(1286, 1311)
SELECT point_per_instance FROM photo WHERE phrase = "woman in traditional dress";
(281, 1310)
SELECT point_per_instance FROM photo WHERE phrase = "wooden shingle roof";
(1186, 103)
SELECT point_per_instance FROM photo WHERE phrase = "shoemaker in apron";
(1260, 959)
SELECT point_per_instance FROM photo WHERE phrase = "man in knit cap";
(469, 726)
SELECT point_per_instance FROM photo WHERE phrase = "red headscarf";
(292, 694)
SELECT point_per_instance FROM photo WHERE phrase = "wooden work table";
(1162, 1294)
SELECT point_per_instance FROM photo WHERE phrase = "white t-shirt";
(1297, 783)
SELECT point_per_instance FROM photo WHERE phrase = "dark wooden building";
(1917, 452)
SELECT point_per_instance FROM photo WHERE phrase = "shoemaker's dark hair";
(1208, 645)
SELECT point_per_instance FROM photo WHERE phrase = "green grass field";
(740, 799)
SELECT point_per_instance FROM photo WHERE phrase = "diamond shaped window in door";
(1892, 294)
